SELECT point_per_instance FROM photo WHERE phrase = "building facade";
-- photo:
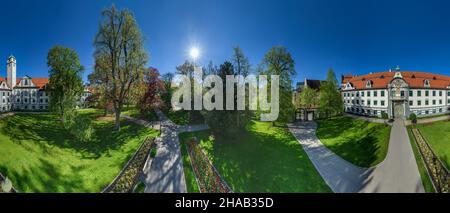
(396, 93)
(24, 94)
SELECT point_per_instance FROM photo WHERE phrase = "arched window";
(426, 83)
(369, 84)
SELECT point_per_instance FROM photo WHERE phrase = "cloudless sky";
(349, 36)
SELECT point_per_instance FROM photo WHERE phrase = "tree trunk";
(117, 112)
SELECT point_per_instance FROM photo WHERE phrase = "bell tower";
(11, 71)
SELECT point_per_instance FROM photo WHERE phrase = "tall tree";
(168, 91)
(119, 42)
(66, 83)
(223, 122)
(278, 61)
(241, 67)
(331, 78)
(309, 98)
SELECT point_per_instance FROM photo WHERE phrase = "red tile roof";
(413, 78)
(39, 82)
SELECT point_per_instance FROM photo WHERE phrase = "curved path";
(397, 173)
(165, 172)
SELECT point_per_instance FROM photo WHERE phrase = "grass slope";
(438, 136)
(266, 159)
(38, 155)
(360, 142)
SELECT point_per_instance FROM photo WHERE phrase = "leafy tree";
(331, 78)
(278, 61)
(119, 43)
(309, 98)
(223, 122)
(66, 83)
(330, 100)
(154, 88)
(241, 67)
(168, 90)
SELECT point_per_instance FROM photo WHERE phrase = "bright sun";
(194, 52)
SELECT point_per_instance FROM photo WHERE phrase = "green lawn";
(437, 135)
(183, 117)
(427, 184)
(266, 159)
(133, 112)
(38, 155)
(360, 142)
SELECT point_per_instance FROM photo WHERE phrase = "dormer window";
(426, 83)
(434, 77)
(369, 84)
(25, 82)
(413, 76)
(348, 86)
(382, 76)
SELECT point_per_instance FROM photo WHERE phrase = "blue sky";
(349, 36)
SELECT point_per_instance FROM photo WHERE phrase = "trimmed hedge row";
(208, 179)
(129, 176)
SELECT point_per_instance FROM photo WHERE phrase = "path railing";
(129, 176)
(206, 175)
(439, 174)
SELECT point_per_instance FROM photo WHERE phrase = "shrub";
(384, 115)
(78, 126)
(413, 118)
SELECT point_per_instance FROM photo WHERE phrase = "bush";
(78, 126)
(412, 116)
(384, 115)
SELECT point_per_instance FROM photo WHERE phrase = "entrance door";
(398, 110)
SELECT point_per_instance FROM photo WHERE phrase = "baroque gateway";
(26, 94)
(397, 93)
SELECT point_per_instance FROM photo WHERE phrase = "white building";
(398, 94)
(23, 94)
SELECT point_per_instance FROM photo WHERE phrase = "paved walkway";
(430, 120)
(4, 115)
(397, 173)
(165, 172)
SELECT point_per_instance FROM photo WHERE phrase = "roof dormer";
(348, 86)
(426, 83)
(369, 84)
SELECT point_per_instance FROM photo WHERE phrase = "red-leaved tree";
(154, 90)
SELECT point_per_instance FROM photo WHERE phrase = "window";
(362, 102)
(426, 112)
(440, 109)
(375, 112)
(375, 103)
(410, 103)
(410, 93)
(426, 83)
(434, 102)
(427, 93)
(402, 93)
(382, 103)
(362, 94)
(419, 103)
(357, 102)
(382, 93)
(440, 93)
(368, 102)
(419, 93)
(357, 94)
(434, 92)
(368, 93)
(375, 93)
(353, 94)
(426, 102)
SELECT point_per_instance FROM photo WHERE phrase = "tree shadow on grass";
(266, 159)
(46, 131)
(46, 177)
